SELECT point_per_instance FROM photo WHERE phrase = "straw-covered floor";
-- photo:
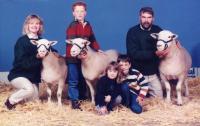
(156, 112)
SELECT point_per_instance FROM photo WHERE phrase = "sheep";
(93, 64)
(174, 64)
(54, 69)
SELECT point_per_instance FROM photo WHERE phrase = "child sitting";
(108, 91)
(133, 85)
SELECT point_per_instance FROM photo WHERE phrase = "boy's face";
(124, 66)
(112, 73)
(79, 13)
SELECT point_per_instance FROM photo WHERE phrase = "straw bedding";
(156, 112)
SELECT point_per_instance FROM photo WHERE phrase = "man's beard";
(146, 25)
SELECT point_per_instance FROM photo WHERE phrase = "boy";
(79, 28)
(134, 87)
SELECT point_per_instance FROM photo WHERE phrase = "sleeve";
(143, 85)
(94, 44)
(23, 60)
(71, 31)
(134, 50)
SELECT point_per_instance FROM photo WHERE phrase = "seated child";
(108, 91)
(133, 85)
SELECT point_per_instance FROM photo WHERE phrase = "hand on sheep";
(140, 100)
(100, 51)
(162, 54)
(107, 98)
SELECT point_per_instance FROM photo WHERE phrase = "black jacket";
(106, 86)
(25, 62)
(141, 49)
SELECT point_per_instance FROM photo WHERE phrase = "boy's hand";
(100, 51)
(140, 100)
(107, 98)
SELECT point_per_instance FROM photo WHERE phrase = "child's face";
(124, 66)
(79, 13)
(112, 73)
(34, 26)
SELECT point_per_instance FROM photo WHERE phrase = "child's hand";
(140, 100)
(102, 110)
(107, 98)
(100, 51)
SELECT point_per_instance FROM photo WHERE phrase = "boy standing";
(134, 86)
(79, 28)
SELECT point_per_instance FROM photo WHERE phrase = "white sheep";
(93, 64)
(175, 62)
(54, 69)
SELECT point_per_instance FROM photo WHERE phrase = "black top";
(25, 62)
(141, 49)
(106, 86)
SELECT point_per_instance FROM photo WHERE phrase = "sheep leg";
(49, 94)
(59, 92)
(91, 90)
(178, 91)
(168, 91)
(186, 87)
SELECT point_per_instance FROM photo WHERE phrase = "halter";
(49, 49)
(44, 46)
(165, 42)
(81, 48)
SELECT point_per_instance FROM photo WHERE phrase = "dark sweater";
(106, 86)
(25, 62)
(141, 49)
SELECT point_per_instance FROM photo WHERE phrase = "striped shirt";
(137, 83)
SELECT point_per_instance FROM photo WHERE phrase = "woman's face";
(34, 26)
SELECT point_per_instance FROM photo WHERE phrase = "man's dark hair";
(147, 9)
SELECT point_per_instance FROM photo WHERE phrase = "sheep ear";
(34, 42)
(69, 41)
(174, 36)
(53, 42)
(87, 42)
(154, 35)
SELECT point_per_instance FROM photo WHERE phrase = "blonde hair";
(27, 21)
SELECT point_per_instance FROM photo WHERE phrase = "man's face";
(146, 20)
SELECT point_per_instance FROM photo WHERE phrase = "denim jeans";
(134, 105)
(73, 79)
(129, 99)
(125, 94)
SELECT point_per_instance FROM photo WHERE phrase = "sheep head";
(78, 45)
(43, 46)
(164, 39)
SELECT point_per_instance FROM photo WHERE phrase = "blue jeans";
(125, 94)
(73, 79)
(129, 99)
(134, 105)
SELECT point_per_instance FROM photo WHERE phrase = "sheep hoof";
(179, 104)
